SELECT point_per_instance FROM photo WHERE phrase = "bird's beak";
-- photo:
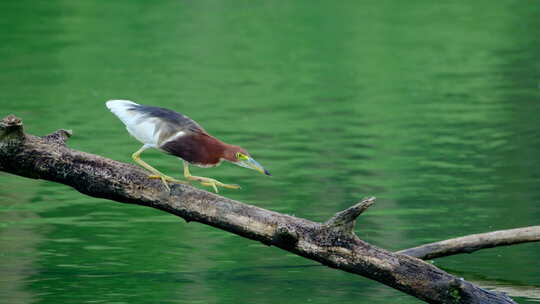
(253, 164)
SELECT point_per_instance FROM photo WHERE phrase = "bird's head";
(239, 156)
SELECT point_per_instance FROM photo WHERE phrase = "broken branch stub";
(59, 137)
(344, 221)
(11, 131)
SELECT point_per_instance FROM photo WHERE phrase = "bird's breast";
(199, 149)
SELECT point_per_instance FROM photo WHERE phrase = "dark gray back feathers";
(168, 122)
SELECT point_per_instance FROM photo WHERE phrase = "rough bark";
(332, 243)
(473, 242)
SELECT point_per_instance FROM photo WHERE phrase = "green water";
(432, 107)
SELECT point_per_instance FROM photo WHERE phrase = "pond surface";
(431, 107)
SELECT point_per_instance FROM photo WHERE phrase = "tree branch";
(474, 242)
(332, 243)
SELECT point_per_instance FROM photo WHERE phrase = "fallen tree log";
(332, 243)
(474, 242)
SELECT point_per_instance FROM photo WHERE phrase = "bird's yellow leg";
(156, 174)
(206, 181)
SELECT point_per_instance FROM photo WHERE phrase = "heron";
(180, 136)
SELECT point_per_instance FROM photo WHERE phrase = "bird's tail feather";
(119, 103)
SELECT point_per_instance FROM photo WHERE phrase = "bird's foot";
(210, 182)
(167, 179)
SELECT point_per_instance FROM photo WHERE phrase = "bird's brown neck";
(212, 149)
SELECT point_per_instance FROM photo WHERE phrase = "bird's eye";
(241, 156)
